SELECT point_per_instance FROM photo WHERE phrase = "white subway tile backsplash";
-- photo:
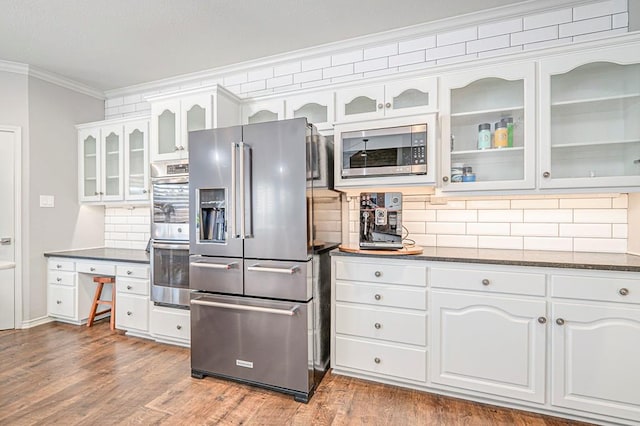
(601, 230)
(548, 216)
(418, 215)
(316, 63)
(407, 58)
(600, 245)
(347, 57)
(584, 27)
(488, 204)
(381, 51)
(535, 229)
(290, 68)
(621, 202)
(456, 228)
(457, 59)
(415, 227)
(421, 43)
(500, 52)
(339, 71)
(599, 35)
(346, 78)
(548, 243)
(235, 79)
(490, 43)
(498, 28)
(378, 73)
(585, 203)
(371, 65)
(593, 10)
(114, 102)
(253, 86)
(307, 76)
(546, 19)
(621, 20)
(457, 36)
(260, 74)
(457, 216)
(446, 51)
(532, 36)
(450, 205)
(547, 44)
(543, 203)
(424, 240)
(600, 216)
(499, 215)
(486, 228)
(284, 80)
(490, 242)
(470, 241)
(620, 230)
(415, 67)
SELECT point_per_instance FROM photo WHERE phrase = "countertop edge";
(110, 255)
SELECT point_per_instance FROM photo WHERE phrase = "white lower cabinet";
(132, 299)
(170, 325)
(68, 299)
(565, 342)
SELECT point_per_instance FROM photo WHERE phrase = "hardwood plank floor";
(60, 374)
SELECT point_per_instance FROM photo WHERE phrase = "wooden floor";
(58, 374)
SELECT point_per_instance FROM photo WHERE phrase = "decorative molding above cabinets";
(175, 114)
(113, 161)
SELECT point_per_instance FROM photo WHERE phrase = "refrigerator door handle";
(215, 265)
(243, 186)
(289, 271)
(289, 312)
(232, 204)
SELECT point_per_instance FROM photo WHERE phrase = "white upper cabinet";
(113, 161)
(400, 98)
(590, 119)
(318, 108)
(488, 128)
(259, 112)
(176, 114)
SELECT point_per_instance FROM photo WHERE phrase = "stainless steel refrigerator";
(260, 312)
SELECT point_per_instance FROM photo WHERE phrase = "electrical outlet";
(47, 201)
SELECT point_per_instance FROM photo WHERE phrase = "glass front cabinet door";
(136, 177)
(90, 186)
(488, 128)
(165, 124)
(590, 119)
(112, 163)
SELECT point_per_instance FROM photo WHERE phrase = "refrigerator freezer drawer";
(216, 274)
(260, 341)
(278, 279)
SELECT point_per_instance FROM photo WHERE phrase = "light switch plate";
(47, 200)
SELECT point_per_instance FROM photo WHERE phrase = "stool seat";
(101, 281)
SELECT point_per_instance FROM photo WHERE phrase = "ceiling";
(109, 44)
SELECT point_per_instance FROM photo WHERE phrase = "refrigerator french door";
(252, 262)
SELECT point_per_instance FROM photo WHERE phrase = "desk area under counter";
(550, 332)
(70, 293)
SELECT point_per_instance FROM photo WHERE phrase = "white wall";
(50, 168)
(634, 223)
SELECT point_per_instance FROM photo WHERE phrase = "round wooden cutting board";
(404, 251)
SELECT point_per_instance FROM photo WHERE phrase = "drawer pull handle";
(58, 302)
(129, 313)
(129, 287)
(485, 282)
(560, 321)
(58, 279)
(58, 266)
(179, 327)
(129, 272)
(546, 174)
(377, 297)
(378, 274)
(623, 291)
(380, 105)
(92, 269)
(377, 325)
(542, 320)
(387, 105)
(376, 360)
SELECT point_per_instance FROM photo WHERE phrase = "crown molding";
(396, 35)
(14, 67)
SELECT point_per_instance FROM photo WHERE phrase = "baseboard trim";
(36, 322)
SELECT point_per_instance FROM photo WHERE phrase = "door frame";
(17, 225)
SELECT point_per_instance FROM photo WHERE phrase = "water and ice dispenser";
(212, 210)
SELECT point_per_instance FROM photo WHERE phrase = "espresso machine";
(381, 220)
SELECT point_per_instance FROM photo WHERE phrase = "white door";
(7, 228)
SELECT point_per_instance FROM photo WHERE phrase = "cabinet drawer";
(382, 295)
(402, 327)
(132, 271)
(404, 274)
(61, 301)
(132, 286)
(490, 281)
(61, 265)
(132, 312)
(96, 268)
(605, 289)
(173, 323)
(382, 359)
(61, 277)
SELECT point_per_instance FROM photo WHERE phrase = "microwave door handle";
(232, 204)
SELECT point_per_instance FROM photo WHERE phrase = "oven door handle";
(289, 271)
(289, 312)
(170, 246)
(214, 265)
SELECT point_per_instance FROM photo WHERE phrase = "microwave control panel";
(418, 154)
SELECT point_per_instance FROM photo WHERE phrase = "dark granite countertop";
(320, 249)
(104, 253)
(553, 259)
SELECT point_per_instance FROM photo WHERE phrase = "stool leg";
(94, 306)
(112, 320)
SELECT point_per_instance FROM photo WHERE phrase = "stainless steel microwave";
(400, 150)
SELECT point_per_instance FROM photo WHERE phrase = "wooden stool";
(101, 281)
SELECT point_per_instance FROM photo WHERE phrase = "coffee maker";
(381, 220)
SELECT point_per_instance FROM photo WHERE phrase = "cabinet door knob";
(380, 106)
(376, 360)
(485, 281)
(179, 327)
(560, 321)
(378, 274)
(542, 320)
(129, 313)
(377, 297)
(129, 272)
(623, 291)
(388, 105)
(144, 191)
(58, 266)
(95, 193)
(546, 174)
(377, 325)
(58, 302)
(92, 269)
(445, 178)
(129, 287)
(181, 148)
(58, 279)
